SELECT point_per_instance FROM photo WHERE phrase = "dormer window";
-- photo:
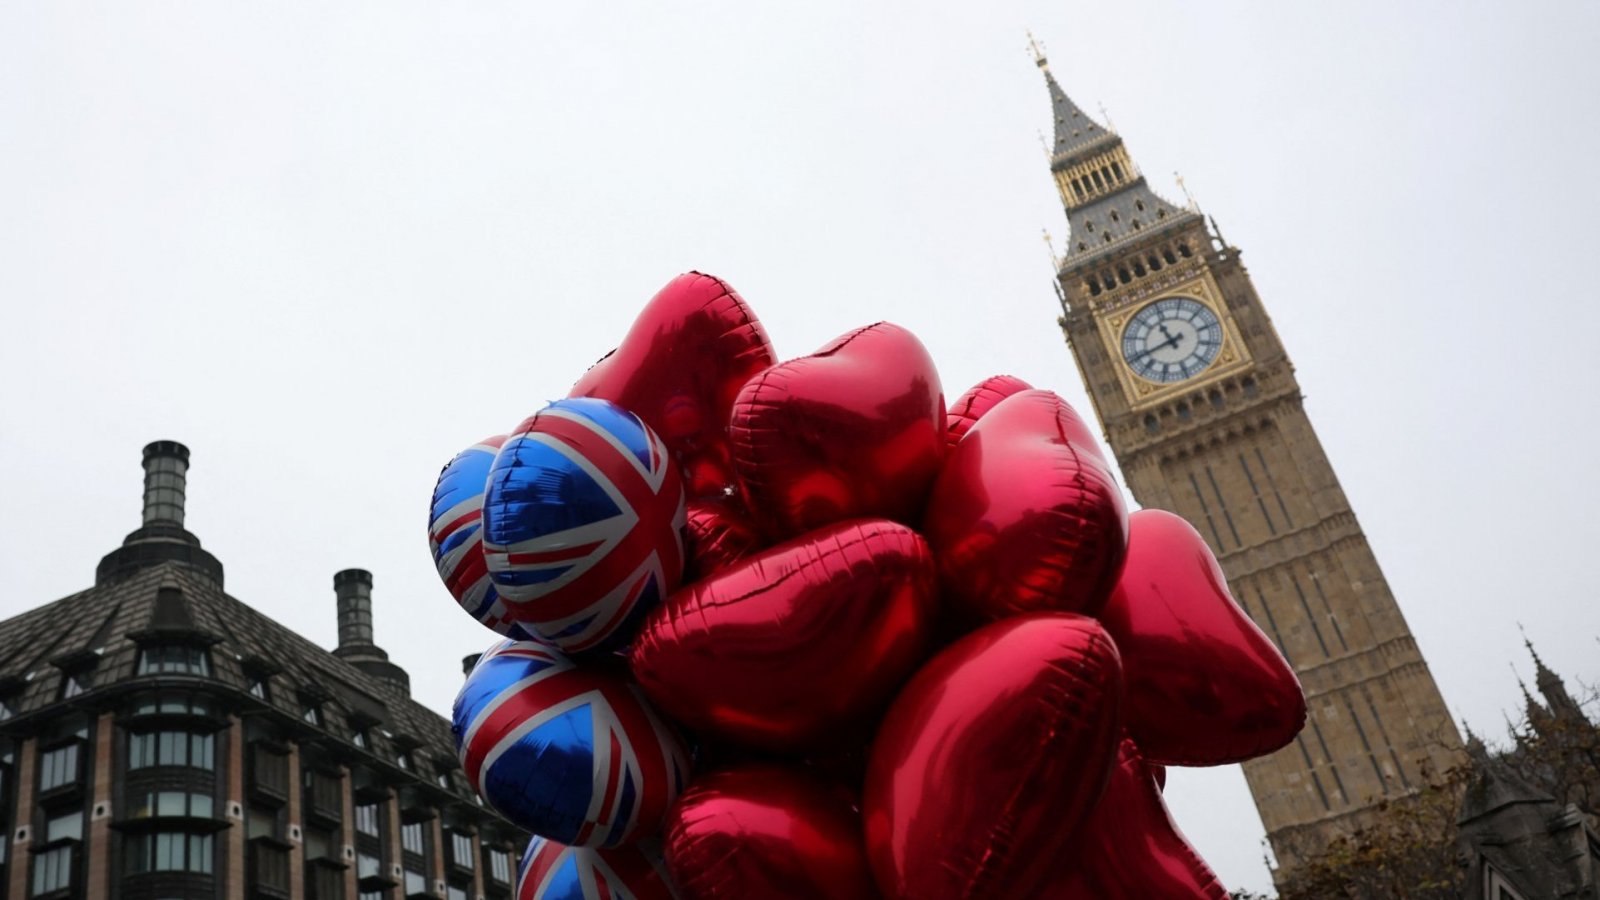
(258, 687)
(174, 659)
(6, 711)
(403, 760)
(312, 714)
(358, 737)
(73, 685)
(443, 779)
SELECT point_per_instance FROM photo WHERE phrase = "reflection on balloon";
(792, 648)
(718, 536)
(1205, 686)
(855, 429)
(1023, 518)
(552, 871)
(770, 832)
(971, 406)
(569, 753)
(1130, 849)
(582, 524)
(692, 348)
(990, 759)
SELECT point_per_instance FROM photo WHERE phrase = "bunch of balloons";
(796, 629)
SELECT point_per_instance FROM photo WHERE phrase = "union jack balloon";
(583, 523)
(455, 537)
(573, 754)
(552, 871)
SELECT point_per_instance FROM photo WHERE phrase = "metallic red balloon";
(856, 429)
(792, 648)
(991, 758)
(970, 407)
(718, 537)
(1205, 686)
(1023, 517)
(691, 349)
(770, 832)
(1130, 849)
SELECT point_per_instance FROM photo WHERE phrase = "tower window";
(1108, 237)
(174, 660)
(1161, 214)
(1107, 173)
(1116, 169)
(1155, 263)
(171, 748)
(1108, 281)
(1138, 269)
(1115, 217)
(1166, 254)
(1183, 250)
(1090, 285)
(58, 767)
(1088, 225)
(1216, 399)
(1082, 246)
(1122, 276)
(1098, 184)
(1151, 424)
(1183, 412)
(1077, 186)
(1249, 386)
(168, 852)
(1139, 205)
(1135, 224)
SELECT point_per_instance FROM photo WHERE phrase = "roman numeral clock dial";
(1171, 340)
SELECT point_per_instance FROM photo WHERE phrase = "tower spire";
(1106, 198)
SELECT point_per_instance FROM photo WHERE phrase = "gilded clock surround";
(1143, 394)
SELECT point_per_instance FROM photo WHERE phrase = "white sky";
(328, 245)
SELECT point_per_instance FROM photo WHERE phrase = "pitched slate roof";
(96, 635)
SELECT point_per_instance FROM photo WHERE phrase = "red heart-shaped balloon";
(1205, 686)
(971, 406)
(770, 832)
(1024, 517)
(794, 647)
(991, 757)
(718, 536)
(855, 429)
(692, 348)
(1130, 849)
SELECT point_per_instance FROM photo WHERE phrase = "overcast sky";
(328, 245)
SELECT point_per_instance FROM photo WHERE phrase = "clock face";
(1171, 340)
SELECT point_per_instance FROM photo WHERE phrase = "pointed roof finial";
(1106, 114)
(1038, 51)
(1185, 188)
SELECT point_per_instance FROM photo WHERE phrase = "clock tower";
(1200, 405)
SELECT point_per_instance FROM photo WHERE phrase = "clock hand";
(1171, 341)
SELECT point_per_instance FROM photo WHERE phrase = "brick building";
(1200, 404)
(161, 739)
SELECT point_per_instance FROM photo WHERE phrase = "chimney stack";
(352, 590)
(166, 470)
(161, 538)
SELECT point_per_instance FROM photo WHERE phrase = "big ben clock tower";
(1200, 405)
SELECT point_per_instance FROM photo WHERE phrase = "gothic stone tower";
(1200, 405)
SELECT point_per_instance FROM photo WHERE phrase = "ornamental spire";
(1074, 130)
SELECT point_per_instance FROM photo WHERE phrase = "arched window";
(1151, 424)
(1122, 275)
(1166, 253)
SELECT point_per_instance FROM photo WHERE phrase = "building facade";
(161, 739)
(1199, 402)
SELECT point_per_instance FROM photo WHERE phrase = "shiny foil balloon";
(769, 832)
(718, 536)
(582, 524)
(971, 406)
(1205, 686)
(552, 871)
(991, 758)
(794, 647)
(692, 348)
(1023, 517)
(572, 754)
(855, 429)
(1130, 849)
(455, 537)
